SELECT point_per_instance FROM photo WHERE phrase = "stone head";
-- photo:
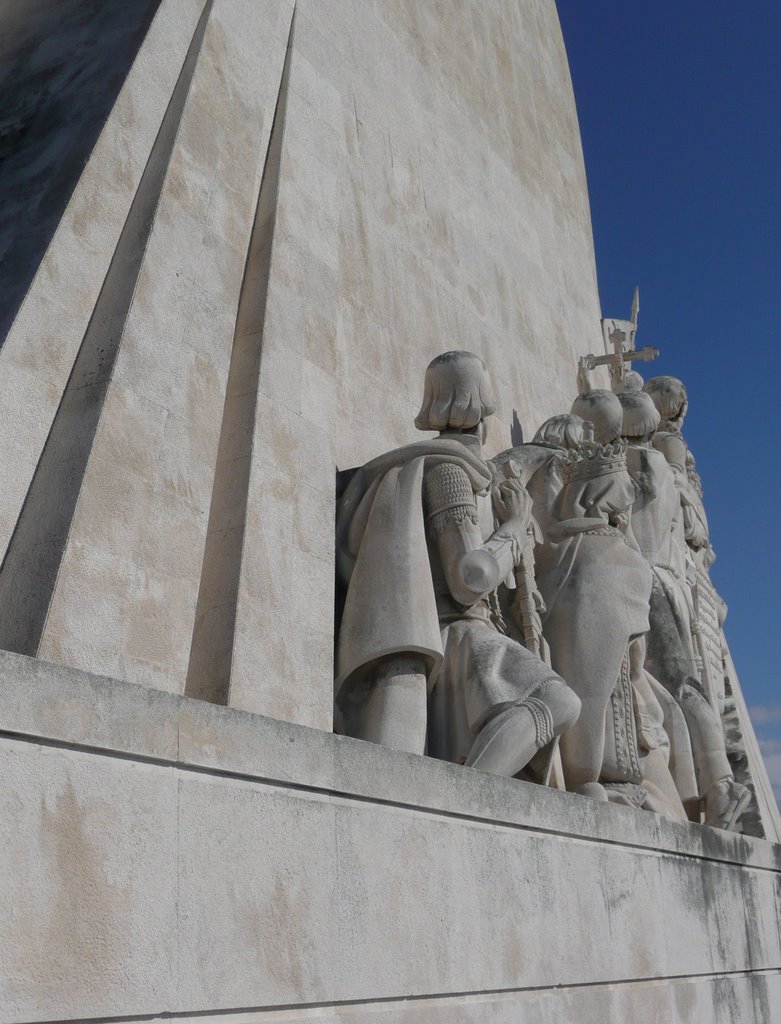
(457, 393)
(603, 409)
(670, 398)
(564, 431)
(641, 417)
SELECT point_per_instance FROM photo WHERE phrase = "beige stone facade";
(428, 193)
(289, 208)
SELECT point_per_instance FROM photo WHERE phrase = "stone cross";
(620, 336)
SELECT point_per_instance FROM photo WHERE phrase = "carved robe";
(671, 656)
(596, 588)
(658, 529)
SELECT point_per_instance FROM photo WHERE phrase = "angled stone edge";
(66, 707)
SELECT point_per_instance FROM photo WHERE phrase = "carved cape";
(383, 559)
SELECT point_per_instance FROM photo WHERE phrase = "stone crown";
(592, 459)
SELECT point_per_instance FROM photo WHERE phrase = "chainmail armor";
(448, 497)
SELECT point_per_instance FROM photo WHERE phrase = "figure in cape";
(425, 535)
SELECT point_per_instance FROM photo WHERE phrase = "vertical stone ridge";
(211, 652)
(32, 562)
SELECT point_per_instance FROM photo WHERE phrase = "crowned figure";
(596, 588)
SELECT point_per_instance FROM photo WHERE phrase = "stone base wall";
(164, 856)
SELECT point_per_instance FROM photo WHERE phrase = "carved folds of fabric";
(625, 726)
(448, 497)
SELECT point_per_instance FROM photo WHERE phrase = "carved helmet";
(457, 393)
(604, 410)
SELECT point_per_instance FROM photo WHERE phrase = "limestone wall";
(220, 324)
(163, 856)
(292, 206)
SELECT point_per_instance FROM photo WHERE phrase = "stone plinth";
(166, 856)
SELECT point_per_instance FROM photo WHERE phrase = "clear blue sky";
(680, 113)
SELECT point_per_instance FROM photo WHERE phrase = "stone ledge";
(162, 856)
(715, 999)
(54, 704)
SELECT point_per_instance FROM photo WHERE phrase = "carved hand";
(620, 520)
(512, 504)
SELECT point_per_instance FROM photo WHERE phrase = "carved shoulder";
(673, 447)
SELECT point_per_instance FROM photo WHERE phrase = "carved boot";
(595, 790)
(725, 801)
(509, 740)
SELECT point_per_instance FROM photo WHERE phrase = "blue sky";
(680, 113)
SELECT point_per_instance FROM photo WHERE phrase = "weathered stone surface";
(398, 224)
(62, 64)
(89, 872)
(271, 866)
(394, 228)
(128, 574)
(40, 348)
(721, 1000)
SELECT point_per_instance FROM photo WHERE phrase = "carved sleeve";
(472, 568)
(673, 448)
(448, 497)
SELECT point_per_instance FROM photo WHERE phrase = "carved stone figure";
(631, 381)
(670, 651)
(636, 744)
(709, 609)
(419, 658)
(596, 589)
(539, 462)
(657, 529)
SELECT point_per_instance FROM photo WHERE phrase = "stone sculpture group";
(547, 614)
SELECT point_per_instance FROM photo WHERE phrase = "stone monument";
(302, 719)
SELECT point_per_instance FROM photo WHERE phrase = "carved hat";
(641, 416)
(457, 393)
(632, 381)
(669, 396)
(604, 410)
(564, 431)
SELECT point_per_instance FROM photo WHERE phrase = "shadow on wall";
(62, 64)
